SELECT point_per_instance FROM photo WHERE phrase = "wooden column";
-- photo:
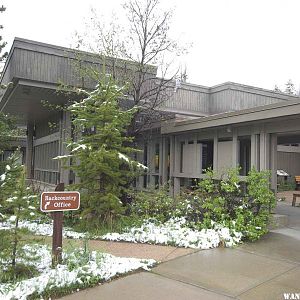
(151, 162)
(264, 151)
(176, 189)
(215, 157)
(273, 161)
(235, 148)
(255, 151)
(164, 160)
(172, 164)
(29, 150)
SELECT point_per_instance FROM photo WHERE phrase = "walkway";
(262, 270)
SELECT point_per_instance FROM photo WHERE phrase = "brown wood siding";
(50, 68)
(289, 162)
(232, 100)
(42, 67)
(188, 100)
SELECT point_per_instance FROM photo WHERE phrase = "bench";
(297, 180)
(295, 195)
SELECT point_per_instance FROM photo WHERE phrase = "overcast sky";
(253, 42)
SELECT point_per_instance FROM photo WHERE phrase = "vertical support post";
(273, 161)
(172, 162)
(151, 163)
(29, 150)
(172, 155)
(164, 161)
(215, 157)
(177, 157)
(235, 146)
(57, 232)
(198, 150)
(176, 186)
(264, 151)
(255, 151)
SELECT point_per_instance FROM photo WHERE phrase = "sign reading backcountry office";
(59, 201)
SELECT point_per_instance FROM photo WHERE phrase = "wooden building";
(223, 126)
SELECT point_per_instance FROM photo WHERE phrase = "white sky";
(253, 42)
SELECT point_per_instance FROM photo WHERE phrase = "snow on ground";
(80, 269)
(44, 229)
(175, 233)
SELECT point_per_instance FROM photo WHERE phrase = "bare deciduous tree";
(141, 53)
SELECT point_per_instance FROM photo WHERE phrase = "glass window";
(207, 154)
(156, 158)
(181, 156)
(145, 164)
(244, 155)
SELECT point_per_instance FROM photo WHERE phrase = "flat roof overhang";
(24, 99)
(260, 113)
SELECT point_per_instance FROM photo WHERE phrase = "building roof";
(36, 69)
(260, 113)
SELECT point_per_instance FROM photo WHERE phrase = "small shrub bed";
(242, 207)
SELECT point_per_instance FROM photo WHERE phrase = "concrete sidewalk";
(262, 270)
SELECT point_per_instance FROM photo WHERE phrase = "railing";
(49, 176)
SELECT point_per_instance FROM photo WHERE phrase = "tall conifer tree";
(100, 153)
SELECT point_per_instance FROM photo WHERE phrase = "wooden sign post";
(57, 202)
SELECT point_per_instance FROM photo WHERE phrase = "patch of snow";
(44, 229)
(80, 146)
(124, 157)
(98, 266)
(62, 156)
(2, 177)
(282, 173)
(12, 218)
(139, 165)
(174, 232)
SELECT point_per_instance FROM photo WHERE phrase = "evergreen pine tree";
(290, 88)
(17, 203)
(2, 43)
(8, 131)
(7, 125)
(101, 158)
(277, 89)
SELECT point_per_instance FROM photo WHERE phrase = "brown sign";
(60, 201)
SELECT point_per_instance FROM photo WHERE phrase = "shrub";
(225, 202)
(156, 204)
(286, 186)
(241, 206)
